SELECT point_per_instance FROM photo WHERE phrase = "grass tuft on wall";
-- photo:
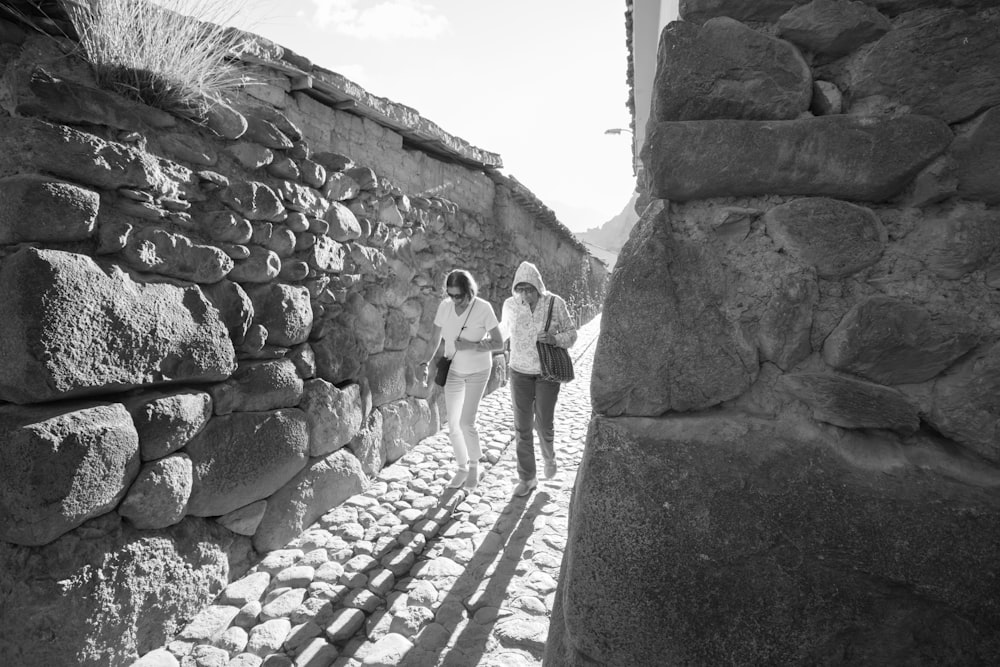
(173, 54)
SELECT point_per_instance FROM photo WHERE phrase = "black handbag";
(444, 363)
(555, 361)
(441, 374)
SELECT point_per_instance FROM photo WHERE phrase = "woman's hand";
(547, 338)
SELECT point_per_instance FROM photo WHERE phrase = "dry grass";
(175, 54)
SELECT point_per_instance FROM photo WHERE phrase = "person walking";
(523, 318)
(468, 327)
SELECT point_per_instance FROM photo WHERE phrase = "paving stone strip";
(410, 572)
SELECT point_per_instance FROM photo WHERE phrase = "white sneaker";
(550, 469)
(472, 481)
(460, 476)
(525, 486)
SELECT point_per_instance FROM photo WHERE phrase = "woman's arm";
(566, 330)
(435, 341)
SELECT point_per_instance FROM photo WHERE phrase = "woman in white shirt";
(533, 399)
(468, 327)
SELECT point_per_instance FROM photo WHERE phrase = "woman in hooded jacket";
(522, 320)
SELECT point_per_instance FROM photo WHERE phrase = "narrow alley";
(410, 572)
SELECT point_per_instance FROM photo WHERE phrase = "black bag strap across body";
(467, 315)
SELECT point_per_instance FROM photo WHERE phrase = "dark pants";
(534, 402)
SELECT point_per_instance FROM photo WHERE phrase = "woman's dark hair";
(464, 281)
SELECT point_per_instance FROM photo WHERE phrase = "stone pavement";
(411, 573)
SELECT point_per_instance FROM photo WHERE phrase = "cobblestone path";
(411, 573)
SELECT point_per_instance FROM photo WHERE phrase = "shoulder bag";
(555, 361)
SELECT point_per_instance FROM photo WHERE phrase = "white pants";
(462, 393)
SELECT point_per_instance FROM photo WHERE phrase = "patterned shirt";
(522, 326)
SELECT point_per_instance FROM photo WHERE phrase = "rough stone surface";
(335, 415)
(165, 422)
(285, 311)
(158, 497)
(956, 241)
(37, 208)
(800, 528)
(321, 485)
(832, 28)
(404, 424)
(977, 152)
(851, 403)
(941, 64)
(47, 296)
(893, 342)
(723, 69)
(61, 466)
(153, 250)
(245, 520)
(386, 374)
(835, 237)
(367, 445)
(106, 592)
(964, 403)
(866, 159)
(258, 386)
(660, 349)
(244, 457)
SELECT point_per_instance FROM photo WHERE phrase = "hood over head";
(528, 273)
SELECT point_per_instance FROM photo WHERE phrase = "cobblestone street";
(410, 572)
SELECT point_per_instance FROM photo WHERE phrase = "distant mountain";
(606, 241)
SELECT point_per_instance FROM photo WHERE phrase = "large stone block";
(723, 69)
(341, 353)
(72, 327)
(832, 28)
(335, 415)
(323, 484)
(844, 157)
(257, 386)
(955, 241)
(367, 445)
(894, 342)
(165, 422)
(61, 466)
(754, 542)
(404, 424)
(835, 237)
(152, 250)
(284, 310)
(159, 495)
(38, 208)
(107, 592)
(386, 374)
(245, 457)
(665, 343)
(940, 64)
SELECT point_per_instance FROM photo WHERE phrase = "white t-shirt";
(481, 319)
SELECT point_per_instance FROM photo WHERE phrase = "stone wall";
(211, 329)
(795, 457)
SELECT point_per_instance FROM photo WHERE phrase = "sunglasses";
(456, 297)
(524, 289)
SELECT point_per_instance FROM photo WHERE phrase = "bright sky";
(537, 81)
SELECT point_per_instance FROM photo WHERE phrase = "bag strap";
(548, 320)
(471, 306)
